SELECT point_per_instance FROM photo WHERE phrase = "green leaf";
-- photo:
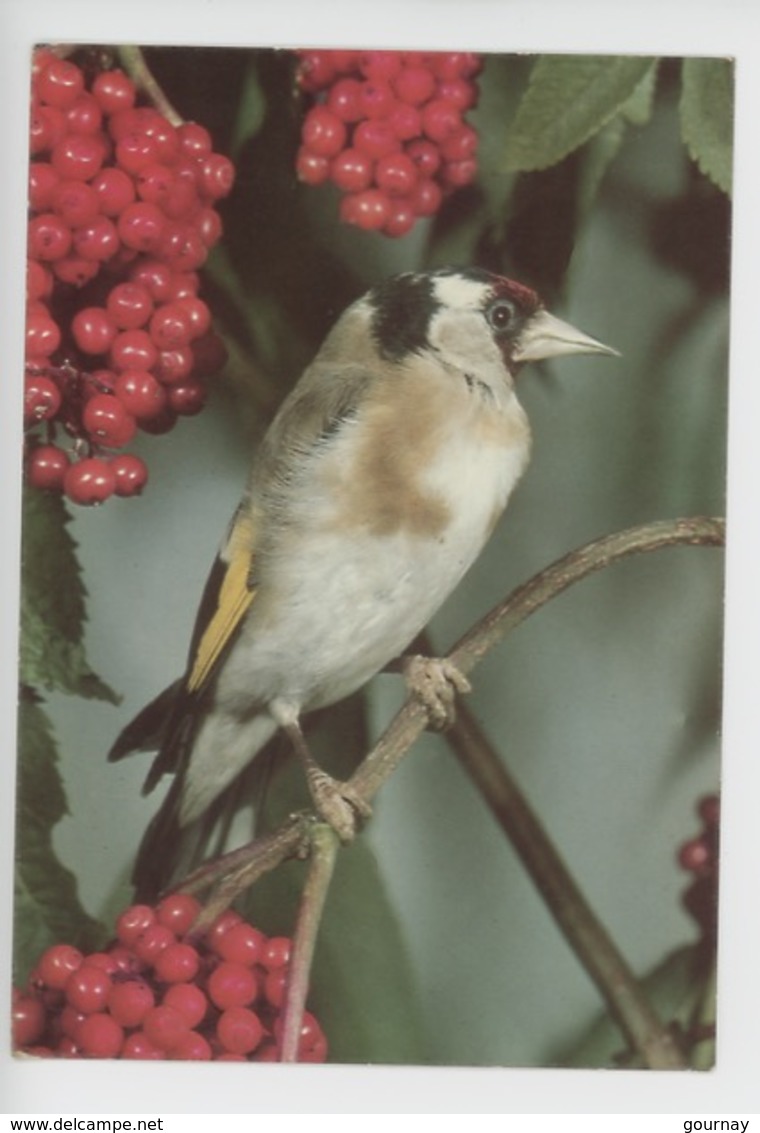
(638, 108)
(569, 99)
(600, 153)
(707, 114)
(251, 111)
(47, 906)
(52, 603)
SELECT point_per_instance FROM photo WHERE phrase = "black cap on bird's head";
(405, 307)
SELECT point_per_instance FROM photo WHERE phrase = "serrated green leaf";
(707, 115)
(569, 98)
(52, 653)
(600, 153)
(47, 906)
(638, 108)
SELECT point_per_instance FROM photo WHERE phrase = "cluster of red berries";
(388, 128)
(122, 217)
(158, 993)
(699, 856)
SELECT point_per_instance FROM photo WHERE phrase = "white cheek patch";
(459, 292)
(463, 340)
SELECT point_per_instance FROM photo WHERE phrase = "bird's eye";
(501, 315)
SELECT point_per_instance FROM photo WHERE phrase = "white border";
(731, 27)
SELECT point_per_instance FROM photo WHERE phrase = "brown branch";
(627, 1002)
(324, 851)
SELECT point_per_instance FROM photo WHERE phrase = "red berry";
(462, 93)
(275, 986)
(75, 202)
(75, 270)
(108, 421)
(100, 1036)
(401, 218)
(455, 174)
(405, 121)
(696, 856)
(87, 989)
(223, 923)
(312, 168)
(98, 240)
(133, 921)
(43, 335)
(178, 963)
(426, 197)
(129, 305)
(178, 912)
(42, 398)
(414, 83)
(155, 276)
(60, 83)
(368, 210)
(130, 1001)
(209, 355)
(93, 330)
(194, 140)
(242, 944)
(141, 394)
(192, 1047)
(56, 965)
(375, 138)
(115, 190)
(46, 128)
(425, 155)
(85, 116)
(142, 226)
(323, 132)
(49, 237)
(708, 809)
(351, 170)
(174, 366)
(43, 181)
(277, 952)
(376, 99)
(344, 100)
(217, 176)
(114, 91)
(461, 146)
(188, 398)
(189, 1000)
(440, 120)
(133, 350)
(28, 1015)
(396, 174)
(90, 481)
(46, 466)
(232, 985)
(151, 943)
(131, 474)
(138, 1046)
(78, 156)
(380, 66)
(239, 1030)
(164, 1026)
(39, 281)
(171, 326)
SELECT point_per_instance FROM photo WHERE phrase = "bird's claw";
(338, 804)
(435, 681)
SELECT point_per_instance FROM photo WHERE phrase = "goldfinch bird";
(373, 491)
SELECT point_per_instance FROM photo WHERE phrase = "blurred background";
(605, 705)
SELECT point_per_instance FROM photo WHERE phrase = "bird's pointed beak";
(545, 336)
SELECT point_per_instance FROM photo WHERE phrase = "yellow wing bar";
(235, 597)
